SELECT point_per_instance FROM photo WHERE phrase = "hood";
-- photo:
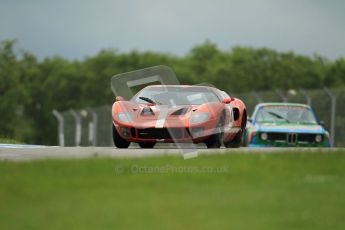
(146, 115)
(289, 127)
(147, 112)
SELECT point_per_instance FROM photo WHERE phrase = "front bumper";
(289, 142)
(306, 145)
(195, 133)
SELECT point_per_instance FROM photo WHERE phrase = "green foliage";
(30, 89)
(9, 141)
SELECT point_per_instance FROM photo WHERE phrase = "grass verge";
(231, 191)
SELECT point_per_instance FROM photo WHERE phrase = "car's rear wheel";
(119, 142)
(216, 140)
(237, 141)
(147, 145)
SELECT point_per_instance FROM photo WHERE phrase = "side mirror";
(119, 98)
(322, 123)
(227, 100)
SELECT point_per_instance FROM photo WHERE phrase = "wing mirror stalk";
(228, 100)
(119, 98)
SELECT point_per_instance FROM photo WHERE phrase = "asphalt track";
(34, 152)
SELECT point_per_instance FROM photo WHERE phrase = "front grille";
(291, 137)
(133, 133)
(162, 133)
(307, 137)
(276, 136)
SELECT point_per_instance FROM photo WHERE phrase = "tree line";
(31, 88)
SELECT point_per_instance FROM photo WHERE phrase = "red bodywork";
(176, 127)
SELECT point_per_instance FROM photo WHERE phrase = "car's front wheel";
(237, 141)
(119, 142)
(215, 141)
(147, 145)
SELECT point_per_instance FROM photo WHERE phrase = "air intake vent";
(147, 111)
(181, 111)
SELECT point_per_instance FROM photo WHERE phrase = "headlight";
(318, 138)
(199, 117)
(124, 117)
(263, 136)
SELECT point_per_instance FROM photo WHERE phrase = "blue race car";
(285, 125)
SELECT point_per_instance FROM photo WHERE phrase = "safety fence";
(92, 126)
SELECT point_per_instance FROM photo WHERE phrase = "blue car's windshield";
(289, 114)
(176, 95)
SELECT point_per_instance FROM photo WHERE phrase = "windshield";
(289, 114)
(176, 95)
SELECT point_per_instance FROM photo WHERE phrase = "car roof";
(179, 86)
(282, 104)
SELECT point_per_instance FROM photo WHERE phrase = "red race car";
(179, 113)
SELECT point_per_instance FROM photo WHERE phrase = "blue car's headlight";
(264, 136)
(199, 117)
(124, 117)
(318, 138)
